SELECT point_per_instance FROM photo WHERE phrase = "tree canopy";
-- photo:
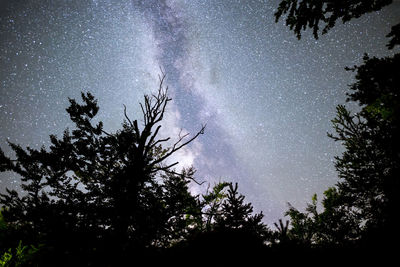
(361, 209)
(322, 15)
(99, 196)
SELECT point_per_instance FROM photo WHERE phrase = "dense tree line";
(99, 198)
(95, 197)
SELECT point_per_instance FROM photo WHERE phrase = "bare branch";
(194, 180)
(158, 142)
(147, 103)
(181, 137)
(126, 116)
(135, 126)
(165, 168)
(163, 74)
(161, 78)
(178, 146)
(181, 174)
(150, 145)
(153, 110)
(144, 114)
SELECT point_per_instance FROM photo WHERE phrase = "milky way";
(266, 97)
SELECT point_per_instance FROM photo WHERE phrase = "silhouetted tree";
(334, 226)
(361, 209)
(313, 14)
(237, 215)
(95, 191)
(369, 167)
(310, 13)
(302, 225)
(229, 226)
(376, 90)
(183, 210)
(282, 235)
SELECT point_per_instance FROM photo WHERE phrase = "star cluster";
(267, 98)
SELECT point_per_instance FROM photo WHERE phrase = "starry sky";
(266, 97)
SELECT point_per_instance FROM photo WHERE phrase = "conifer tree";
(238, 216)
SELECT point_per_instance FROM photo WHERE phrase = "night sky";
(266, 97)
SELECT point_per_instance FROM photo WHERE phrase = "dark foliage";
(395, 35)
(314, 14)
(237, 215)
(231, 229)
(104, 199)
(334, 227)
(369, 168)
(95, 198)
(360, 211)
(94, 193)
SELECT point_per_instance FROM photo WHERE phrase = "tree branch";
(177, 147)
(126, 116)
(181, 174)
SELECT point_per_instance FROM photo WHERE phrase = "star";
(266, 97)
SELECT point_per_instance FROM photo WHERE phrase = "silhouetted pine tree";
(238, 227)
(236, 214)
(229, 227)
